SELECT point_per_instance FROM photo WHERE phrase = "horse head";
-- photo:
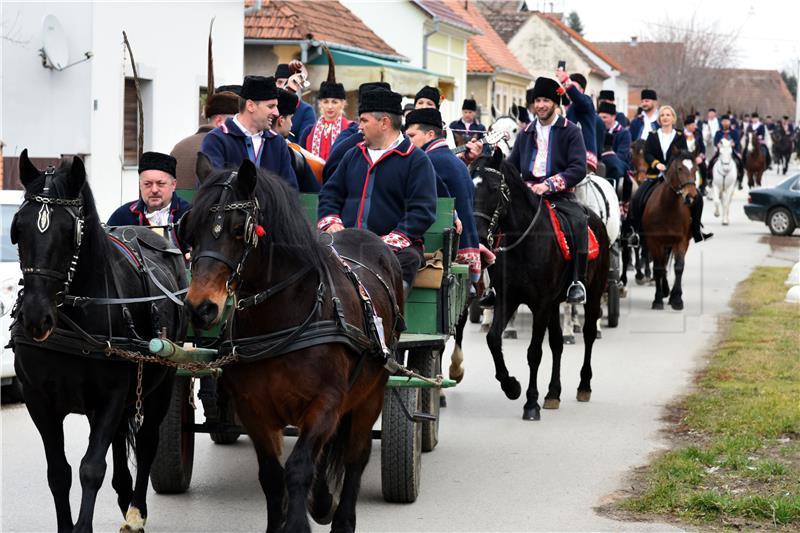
(725, 151)
(492, 195)
(48, 229)
(222, 228)
(681, 176)
(638, 160)
(508, 124)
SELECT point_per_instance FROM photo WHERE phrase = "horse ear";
(203, 168)
(77, 175)
(247, 177)
(497, 157)
(27, 171)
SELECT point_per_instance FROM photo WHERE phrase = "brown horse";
(638, 162)
(249, 240)
(755, 163)
(666, 225)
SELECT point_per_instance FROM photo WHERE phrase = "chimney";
(634, 40)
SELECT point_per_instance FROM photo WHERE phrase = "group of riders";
(384, 171)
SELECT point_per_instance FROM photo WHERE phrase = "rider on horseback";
(551, 156)
(760, 132)
(661, 147)
(726, 132)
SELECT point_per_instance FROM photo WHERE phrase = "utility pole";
(797, 94)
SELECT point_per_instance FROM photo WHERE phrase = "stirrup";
(579, 285)
(633, 240)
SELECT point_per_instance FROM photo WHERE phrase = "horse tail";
(323, 499)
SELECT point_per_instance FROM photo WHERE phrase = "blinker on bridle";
(74, 207)
(502, 202)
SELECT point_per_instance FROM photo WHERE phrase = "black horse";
(295, 298)
(63, 320)
(782, 148)
(531, 270)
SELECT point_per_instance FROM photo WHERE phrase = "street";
(491, 470)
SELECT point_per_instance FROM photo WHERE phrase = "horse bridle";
(682, 185)
(499, 210)
(73, 206)
(251, 210)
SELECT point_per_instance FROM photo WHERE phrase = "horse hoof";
(658, 305)
(551, 403)
(677, 305)
(598, 335)
(456, 373)
(577, 328)
(640, 280)
(584, 395)
(134, 521)
(511, 387)
(725, 223)
(531, 413)
(485, 328)
(510, 334)
(623, 292)
(569, 339)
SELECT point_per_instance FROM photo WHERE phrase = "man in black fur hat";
(468, 126)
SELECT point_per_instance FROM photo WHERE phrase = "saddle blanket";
(594, 246)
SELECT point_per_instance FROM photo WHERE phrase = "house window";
(130, 125)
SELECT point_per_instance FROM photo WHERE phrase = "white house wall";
(44, 110)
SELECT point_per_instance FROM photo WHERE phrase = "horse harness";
(500, 209)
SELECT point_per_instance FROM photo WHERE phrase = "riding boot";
(488, 299)
(576, 293)
(769, 159)
(697, 225)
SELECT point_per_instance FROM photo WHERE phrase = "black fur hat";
(158, 161)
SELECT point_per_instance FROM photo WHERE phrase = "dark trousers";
(578, 231)
(411, 259)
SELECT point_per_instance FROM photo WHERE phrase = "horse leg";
(155, 408)
(658, 272)
(59, 473)
(121, 479)
(592, 310)
(103, 425)
(556, 341)
(640, 260)
(503, 311)
(457, 358)
(358, 447)
(665, 280)
(565, 311)
(626, 261)
(675, 297)
(511, 331)
(647, 260)
(540, 321)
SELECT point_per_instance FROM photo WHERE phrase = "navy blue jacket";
(303, 117)
(476, 130)
(453, 172)
(616, 169)
(622, 119)
(394, 195)
(622, 143)
(729, 134)
(566, 158)
(582, 112)
(699, 145)
(133, 214)
(637, 125)
(226, 146)
(344, 142)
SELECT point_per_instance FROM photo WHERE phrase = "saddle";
(558, 220)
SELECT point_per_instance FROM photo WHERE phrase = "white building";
(82, 109)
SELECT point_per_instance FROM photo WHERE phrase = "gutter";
(316, 43)
(252, 10)
(425, 38)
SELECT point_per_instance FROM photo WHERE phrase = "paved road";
(491, 471)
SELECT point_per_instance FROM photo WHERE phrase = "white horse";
(510, 125)
(725, 174)
(599, 195)
(708, 141)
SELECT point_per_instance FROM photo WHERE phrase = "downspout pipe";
(425, 38)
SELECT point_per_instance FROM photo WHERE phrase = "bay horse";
(782, 148)
(755, 162)
(632, 251)
(64, 251)
(666, 226)
(531, 270)
(250, 240)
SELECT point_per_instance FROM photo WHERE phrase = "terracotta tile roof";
(489, 46)
(476, 62)
(323, 20)
(558, 24)
(505, 17)
(439, 9)
(748, 90)
(635, 59)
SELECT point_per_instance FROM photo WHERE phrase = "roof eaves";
(435, 17)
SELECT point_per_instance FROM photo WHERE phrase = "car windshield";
(8, 252)
(787, 183)
(796, 186)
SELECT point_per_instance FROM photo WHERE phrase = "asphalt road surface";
(492, 471)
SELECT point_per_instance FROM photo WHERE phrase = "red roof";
(438, 9)
(323, 20)
(577, 36)
(487, 49)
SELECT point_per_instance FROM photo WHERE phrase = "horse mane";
(281, 215)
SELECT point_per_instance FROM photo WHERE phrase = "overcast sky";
(769, 30)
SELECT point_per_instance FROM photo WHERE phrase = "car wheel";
(780, 221)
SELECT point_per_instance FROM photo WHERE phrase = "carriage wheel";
(429, 364)
(172, 468)
(475, 311)
(401, 446)
(613, 303)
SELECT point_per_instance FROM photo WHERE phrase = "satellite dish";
(54, 43)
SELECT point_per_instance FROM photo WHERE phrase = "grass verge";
(736, 461)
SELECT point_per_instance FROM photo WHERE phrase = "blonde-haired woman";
(661, 147)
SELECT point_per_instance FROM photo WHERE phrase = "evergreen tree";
(574, 22)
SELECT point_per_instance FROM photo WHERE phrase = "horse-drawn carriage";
(410, 417)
